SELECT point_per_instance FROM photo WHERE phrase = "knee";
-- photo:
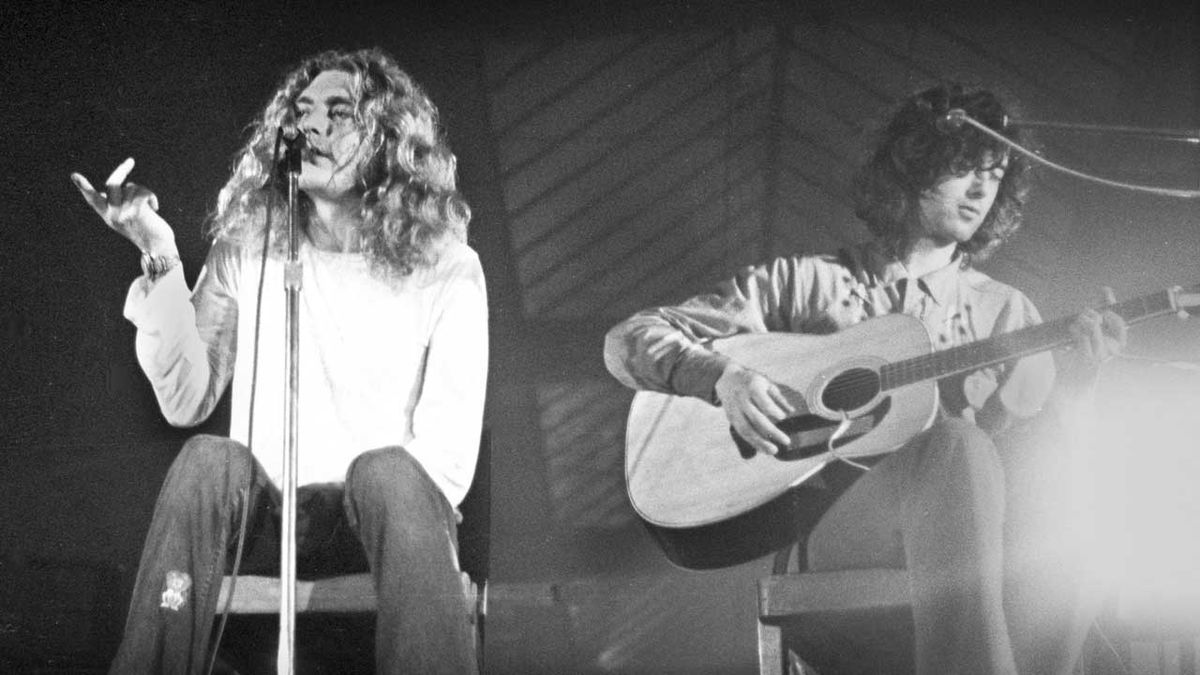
(957, 451)
(958, 474)
(208, 460)
(385, 474)
(962, 441)
(390, 487)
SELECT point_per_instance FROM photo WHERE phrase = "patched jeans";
(388, 518)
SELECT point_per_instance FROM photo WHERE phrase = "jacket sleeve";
(668, 349)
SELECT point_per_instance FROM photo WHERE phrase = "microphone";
(295, 142)
(292, 135)
(952, 121)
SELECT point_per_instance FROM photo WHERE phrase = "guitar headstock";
(1185, 301)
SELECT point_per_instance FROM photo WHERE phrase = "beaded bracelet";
(155, 266)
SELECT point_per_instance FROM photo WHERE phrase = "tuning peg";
(1182, 301)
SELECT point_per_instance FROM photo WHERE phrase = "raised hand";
(129, 209)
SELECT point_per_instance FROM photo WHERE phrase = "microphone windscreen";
(292, 135)
(952, 121)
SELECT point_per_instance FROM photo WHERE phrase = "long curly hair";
(406, 177)
(915, 148)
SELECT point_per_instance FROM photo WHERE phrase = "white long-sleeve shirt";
(383, 362)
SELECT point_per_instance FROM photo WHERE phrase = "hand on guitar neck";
(1099, 336)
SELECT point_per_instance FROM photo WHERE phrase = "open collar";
(885, 270)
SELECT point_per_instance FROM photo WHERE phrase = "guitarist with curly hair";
(938, 198)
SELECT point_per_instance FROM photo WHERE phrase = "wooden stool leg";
(770, 649)
(773, 659)
(798, 666)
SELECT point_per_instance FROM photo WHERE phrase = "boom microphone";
(952, 121)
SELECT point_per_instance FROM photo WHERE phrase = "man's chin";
(962, 235)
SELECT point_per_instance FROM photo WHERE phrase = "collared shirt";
(383, 362)
(667, 349)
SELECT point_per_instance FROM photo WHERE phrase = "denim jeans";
(966, 518)
(389, 517)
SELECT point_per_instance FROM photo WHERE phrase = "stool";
(343, 594)
(788, 598)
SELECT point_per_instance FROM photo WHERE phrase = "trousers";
(985, 535)
(388, 517)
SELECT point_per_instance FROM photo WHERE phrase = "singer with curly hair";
(938, 196)
(393, 361)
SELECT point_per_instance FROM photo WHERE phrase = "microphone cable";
(245, 492)
(958, 116)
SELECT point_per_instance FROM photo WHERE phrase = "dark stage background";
(616, 155)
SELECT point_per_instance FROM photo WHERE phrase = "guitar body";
(712, 502)
(699, 488)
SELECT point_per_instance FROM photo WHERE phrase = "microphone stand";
(1154, 133)
(956, 117)
(292, 273)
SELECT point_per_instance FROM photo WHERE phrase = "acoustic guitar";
(711, 501)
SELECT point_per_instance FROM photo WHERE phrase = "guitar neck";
(1014, 345)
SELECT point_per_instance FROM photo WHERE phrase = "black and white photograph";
(670, 337)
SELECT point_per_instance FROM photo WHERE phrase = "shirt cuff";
(697, 371)
(149, 299)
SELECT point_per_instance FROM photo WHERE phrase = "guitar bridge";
(810, 434)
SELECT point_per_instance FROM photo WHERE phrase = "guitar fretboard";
(1012, 345)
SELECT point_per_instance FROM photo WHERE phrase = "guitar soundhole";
(851, 389)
